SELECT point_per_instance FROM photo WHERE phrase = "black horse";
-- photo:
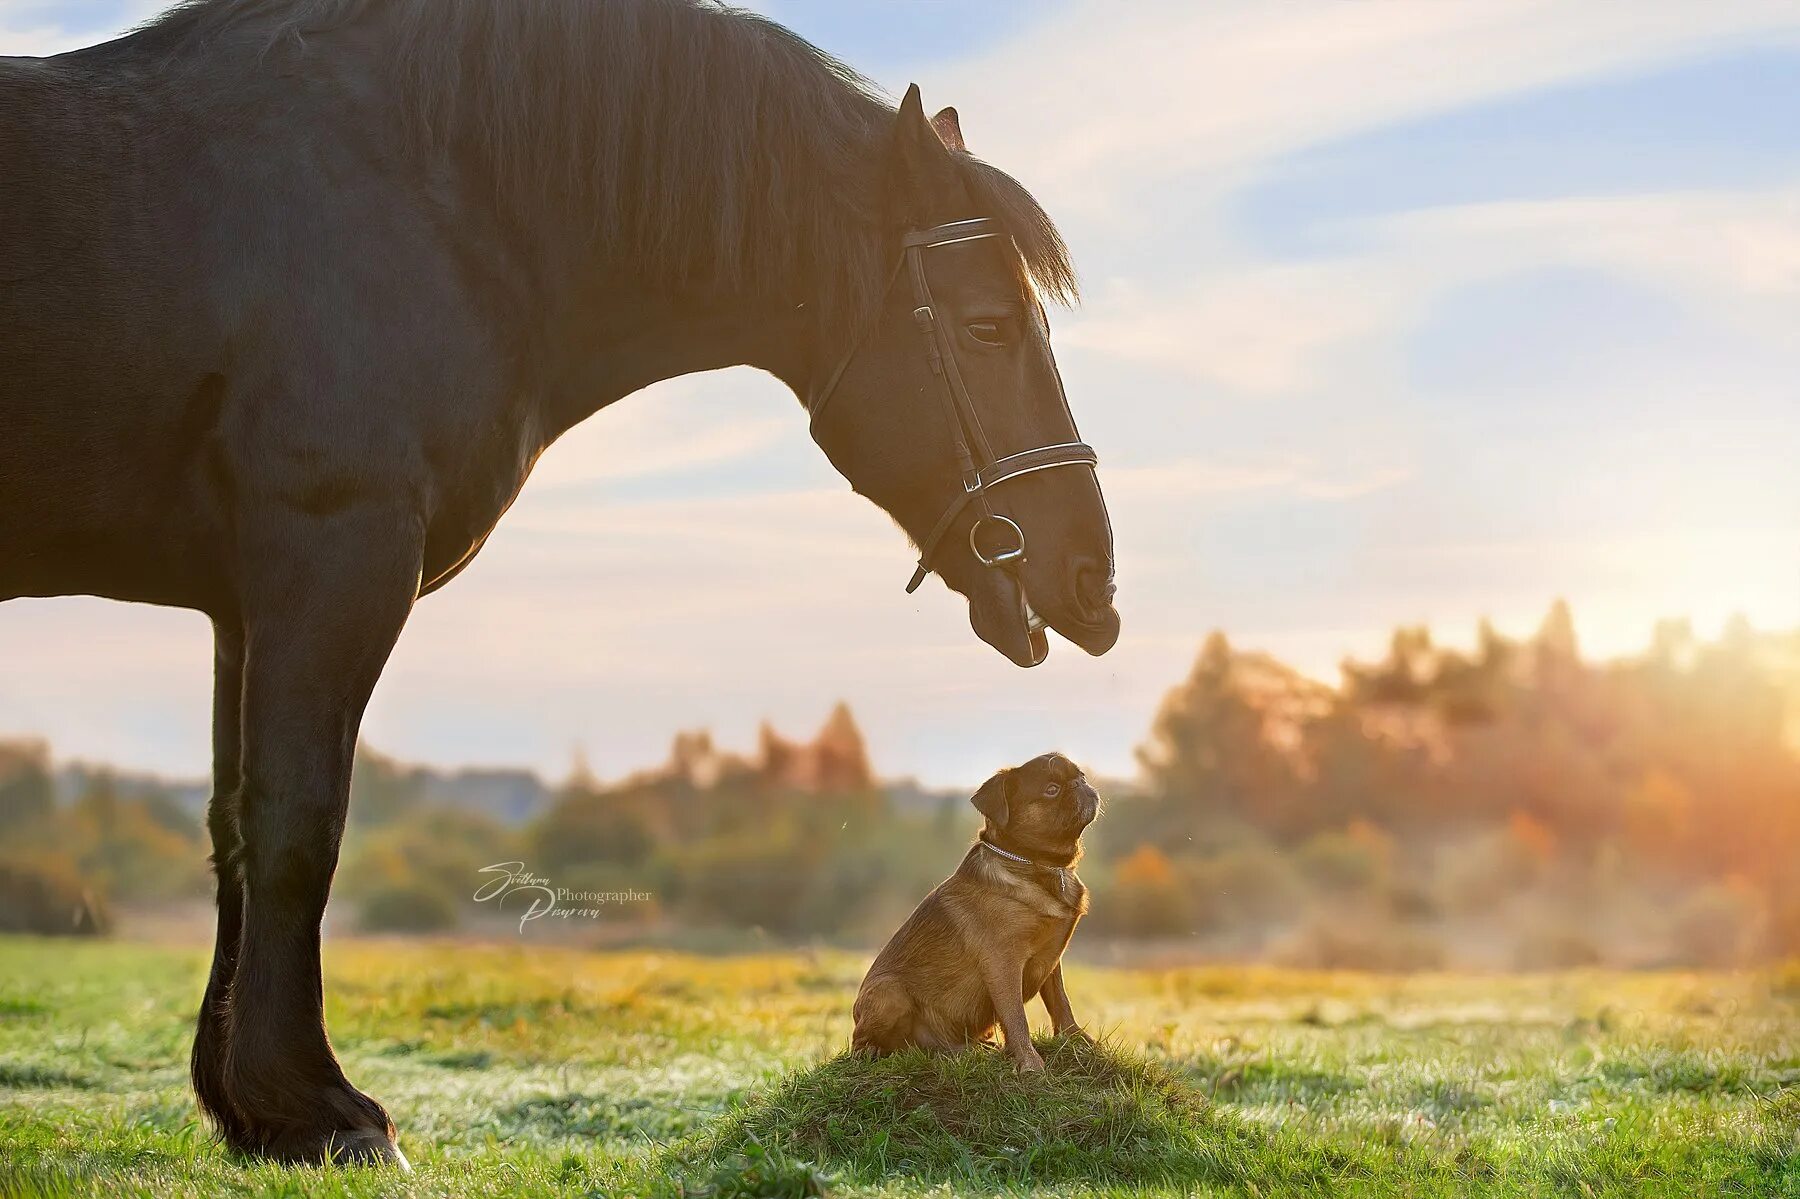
(293, 293)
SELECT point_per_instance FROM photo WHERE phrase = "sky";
(1394, 313)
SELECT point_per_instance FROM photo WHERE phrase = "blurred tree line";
(797, 839)
(61, 865)
(1512, 804)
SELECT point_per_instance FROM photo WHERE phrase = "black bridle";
(975, 459)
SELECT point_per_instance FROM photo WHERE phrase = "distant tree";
(413, 906)
(1556, 651)
(166, 812)
(434, 846)
(1405, 676)
(128, 853)
(843, 755)
(27, 792)
(1146, 898)
(381, 788)
(44, 894)
(1228, 739)
(588, 824)
(834, 765)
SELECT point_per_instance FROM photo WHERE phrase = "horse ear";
(990, 801)
(949, 129)
(922, 161)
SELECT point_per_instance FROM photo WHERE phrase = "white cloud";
(1734, 253)
(1284, 329)
(1255, 329)
(1201, 98)
(677, 425)
(1105, 100)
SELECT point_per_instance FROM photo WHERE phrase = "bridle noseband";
(975, 459)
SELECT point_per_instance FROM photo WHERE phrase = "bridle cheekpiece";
(976, 462)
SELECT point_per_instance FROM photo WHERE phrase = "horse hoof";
(368, 1147)
(345, 1147)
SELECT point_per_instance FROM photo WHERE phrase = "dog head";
(1039, 808)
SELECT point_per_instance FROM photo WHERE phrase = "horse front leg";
(208, 1063)
(326, 602)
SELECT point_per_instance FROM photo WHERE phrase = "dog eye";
(988, 333)
(1053, 790)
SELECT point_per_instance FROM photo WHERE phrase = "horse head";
(947, 410)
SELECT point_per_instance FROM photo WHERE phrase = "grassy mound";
(1096, 1115)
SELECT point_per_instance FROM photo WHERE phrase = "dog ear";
(990, 801)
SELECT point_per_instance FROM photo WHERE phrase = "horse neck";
(647, 339)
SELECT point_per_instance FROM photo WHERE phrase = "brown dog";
(992, 935)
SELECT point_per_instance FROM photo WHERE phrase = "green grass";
(529, 1071)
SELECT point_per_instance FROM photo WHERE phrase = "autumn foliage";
(1513, 804)
(1516, 801)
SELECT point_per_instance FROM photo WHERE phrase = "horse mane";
(711, 146)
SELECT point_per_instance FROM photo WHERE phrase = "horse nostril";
(1094, 589)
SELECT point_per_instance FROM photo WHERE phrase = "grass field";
(538, 1071)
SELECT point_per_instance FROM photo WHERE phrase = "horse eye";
(1053, 790)
(987, 332)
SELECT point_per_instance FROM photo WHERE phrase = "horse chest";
(470, 507)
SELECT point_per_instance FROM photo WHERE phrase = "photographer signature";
(514, 879)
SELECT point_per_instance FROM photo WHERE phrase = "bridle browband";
(975, 460)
